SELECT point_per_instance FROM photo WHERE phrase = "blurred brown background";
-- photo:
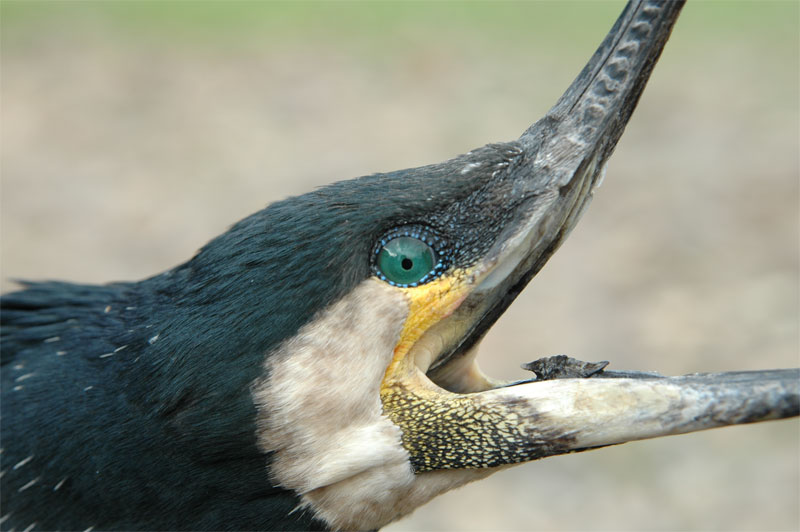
(134, 132)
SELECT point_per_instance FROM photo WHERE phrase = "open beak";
(451, 414)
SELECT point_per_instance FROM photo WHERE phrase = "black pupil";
(407, 263)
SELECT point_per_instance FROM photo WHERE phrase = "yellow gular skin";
(441, 429)
(428, 304)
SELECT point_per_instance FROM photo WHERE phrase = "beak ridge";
(589, 118)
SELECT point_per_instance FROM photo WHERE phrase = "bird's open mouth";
(434, 388)
(451, 415)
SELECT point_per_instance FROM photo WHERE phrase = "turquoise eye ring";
(410, 256)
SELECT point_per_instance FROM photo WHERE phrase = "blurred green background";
(133, 132)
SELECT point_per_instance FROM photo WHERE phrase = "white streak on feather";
(23, 462)
(28, 485)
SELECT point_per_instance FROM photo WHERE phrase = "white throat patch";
(319, 411)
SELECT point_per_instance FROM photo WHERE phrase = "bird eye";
(406, 260)
(409, 256)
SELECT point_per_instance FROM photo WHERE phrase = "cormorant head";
(369, 298)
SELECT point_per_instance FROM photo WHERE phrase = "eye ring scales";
(410, 256)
